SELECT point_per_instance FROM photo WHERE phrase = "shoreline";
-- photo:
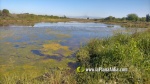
(127, 24)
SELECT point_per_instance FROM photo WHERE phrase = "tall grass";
(125, 51)
(51, 76)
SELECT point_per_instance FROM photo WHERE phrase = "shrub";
(122, 51)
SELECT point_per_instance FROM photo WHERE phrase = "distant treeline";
(131, 20)
(5, 14)
(7, 18)
(130, 17)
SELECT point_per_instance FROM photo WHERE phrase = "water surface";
(25, 44)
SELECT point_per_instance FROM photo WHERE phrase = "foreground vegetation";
(121, 50)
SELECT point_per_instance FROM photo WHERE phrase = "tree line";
(5, 13)
(130, 17)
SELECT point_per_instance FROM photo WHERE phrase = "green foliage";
(51, 76)
(148, 18)
(5, 12)
(26, 17)
(110, 18)
(143, 19)
(132, 17)
(0, 13)
(124, 51)
(123, 19)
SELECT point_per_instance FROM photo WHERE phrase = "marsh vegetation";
(49, 53)
(130, 51)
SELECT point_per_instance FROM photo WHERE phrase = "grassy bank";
(25, 22)
(31, 19)
(132, 20)
(28, 22)
(121, 51)
(31, 22)
(52, 76)
(27, 19)
(129, 24)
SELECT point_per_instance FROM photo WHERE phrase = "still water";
(26, 44)
(72, 34)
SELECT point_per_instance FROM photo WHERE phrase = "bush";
(123, 51)
(5, 12)
(132, 17)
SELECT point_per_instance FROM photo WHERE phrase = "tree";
(0, 13)
(147, 18)
(110, 18)
(5, 12)
(132, 17)
(143, 19)
(123, 19)
(64, 16)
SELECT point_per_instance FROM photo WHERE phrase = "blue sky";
(95, 8)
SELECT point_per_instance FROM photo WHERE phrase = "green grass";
(129, 24)
(122, 51)
(53, 76)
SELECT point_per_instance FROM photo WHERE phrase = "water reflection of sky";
(79, 33)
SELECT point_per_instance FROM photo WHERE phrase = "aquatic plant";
(56, 49)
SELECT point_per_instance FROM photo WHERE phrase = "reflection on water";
(58, 58)
(16, 46)
(73, 33)
(37, 52)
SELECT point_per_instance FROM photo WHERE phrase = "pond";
(46, 43)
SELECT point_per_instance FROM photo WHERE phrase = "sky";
(91, 8)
